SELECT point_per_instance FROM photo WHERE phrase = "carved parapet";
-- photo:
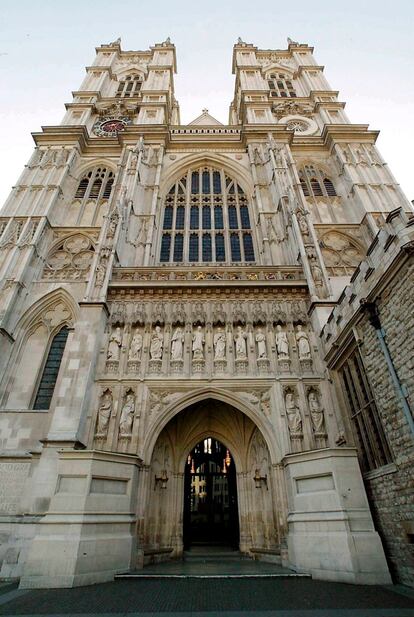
(263, 365)
(220, 366)
(133, 366)
(112, 366)
(176, 366)
(283, 363)
(155, 365)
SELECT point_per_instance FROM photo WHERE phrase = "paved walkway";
(258, 597)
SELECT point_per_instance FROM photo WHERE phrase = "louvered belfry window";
(314, 182)
(51, 370)
(206, 219)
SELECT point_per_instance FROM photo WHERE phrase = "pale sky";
(366, 47)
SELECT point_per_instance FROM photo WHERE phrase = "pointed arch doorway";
(211, 516)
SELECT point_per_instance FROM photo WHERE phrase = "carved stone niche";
(303, 347)
(104, 415)
(126, 420)
(135, 350)
(294, 418)
(263, 362)
(282, 348)
(220, 348)
(177, 346)
(156, 349)
(114, 350)
(317, 416)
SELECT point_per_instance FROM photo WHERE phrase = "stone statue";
(198, 342)
(282, 343)
(219, 343)
(127, 416)
(293, 414)
(177, 344)
(303, 224)
(136, 346)
(157, 344)
(240, 340)
(261, 344)
(316, 413)
(104, 414)
(302, 340)
(114, 347)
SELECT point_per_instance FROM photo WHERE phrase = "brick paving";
(229, 597)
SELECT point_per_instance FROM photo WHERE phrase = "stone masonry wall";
(391, 490)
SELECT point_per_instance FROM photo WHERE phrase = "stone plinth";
(87, 536)
(331, 532)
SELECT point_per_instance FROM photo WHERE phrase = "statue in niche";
(157, 344)
(49, 157)
(177, 342)
(142, 233)
(261, 344)
(219, 343)
(361, 157)
(198, 343)
(316, 413)
(317, 274)
(114, 347)
(302, 340)
(127, 415)
(104, 414)
(293, 414)
(101, 271)
(136, 346)
(113, 222)
(240, 341)
(303, 224)
(257, 157)
(282, 343)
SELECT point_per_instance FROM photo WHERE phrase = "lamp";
(258, 479)
(162, 479)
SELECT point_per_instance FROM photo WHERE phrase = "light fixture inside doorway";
(161, 480)
(258, 479)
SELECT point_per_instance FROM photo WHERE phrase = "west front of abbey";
(206, 331)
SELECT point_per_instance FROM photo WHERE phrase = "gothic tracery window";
(129, 86)
(51, 370)
(314, 182)
(206, 219)
(280, 85)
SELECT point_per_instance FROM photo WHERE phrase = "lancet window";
(366, 424)
(281, 85)
(316, 183)
(206, 219)
(129, 86)
(51, 370)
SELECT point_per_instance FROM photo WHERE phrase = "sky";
(365, 45)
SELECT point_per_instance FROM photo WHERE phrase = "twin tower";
(174, 305)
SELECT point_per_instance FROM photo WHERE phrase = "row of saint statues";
(220, 344)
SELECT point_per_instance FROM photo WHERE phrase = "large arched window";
(280, 85)
(315, 183)
(129, 86)
(51, 370)
(95, 184)
(206, 219)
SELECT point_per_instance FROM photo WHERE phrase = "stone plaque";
(12, 480)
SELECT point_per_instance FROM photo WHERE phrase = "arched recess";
(259, 493)
(233, 168)
(87, 210)
(234, 400)
(33, 336)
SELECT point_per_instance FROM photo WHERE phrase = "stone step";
(212, 556)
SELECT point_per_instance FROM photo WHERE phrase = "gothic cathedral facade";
(171, 304)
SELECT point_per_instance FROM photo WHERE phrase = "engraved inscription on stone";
(13, 476)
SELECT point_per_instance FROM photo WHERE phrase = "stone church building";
(206, 331)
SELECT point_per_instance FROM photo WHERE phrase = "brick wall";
(391, 489)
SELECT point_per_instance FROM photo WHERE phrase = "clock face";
(112, 126)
